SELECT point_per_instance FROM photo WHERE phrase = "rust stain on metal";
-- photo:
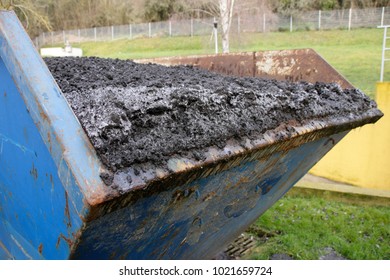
(209, 196)
(34, 172)
(254, 64)
(42, 113)
(167, 233)
(40, 248)
(171, 233)
(67, 213)
(67, 240)
(95, 193)
(260, 151)
(164, 252)
(179, 195)
(184, 241)
(112, 255)
(51, 181)
(297, 65)
(330, 140)
(266, 189)
(238, 184)
(235, 64)
(290, 65)
(179, 165)
(49, 141)
(5, 249)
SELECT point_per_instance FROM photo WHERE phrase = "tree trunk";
(226, 13)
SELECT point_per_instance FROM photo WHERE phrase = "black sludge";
(137, 113)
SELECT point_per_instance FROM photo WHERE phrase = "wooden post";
(319, 20)
(350, 19)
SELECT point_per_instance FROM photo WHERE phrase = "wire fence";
(257, 22)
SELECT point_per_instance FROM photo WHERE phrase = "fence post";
(319, 19)
(192, 27)
(383, 16)
(350, 19)
(216, 35)
(260, 18)
(238, 24)
(383, 53)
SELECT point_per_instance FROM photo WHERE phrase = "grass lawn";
(304, 223)
(356, 54)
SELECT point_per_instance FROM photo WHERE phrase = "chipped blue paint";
(160, 226)
(28, 171)
(55, 121)
(48, 171)
(4, 139)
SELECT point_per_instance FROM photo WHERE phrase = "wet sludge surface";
(136, 114)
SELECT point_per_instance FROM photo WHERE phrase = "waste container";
(54, 203)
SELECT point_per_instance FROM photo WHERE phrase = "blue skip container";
(54, 205)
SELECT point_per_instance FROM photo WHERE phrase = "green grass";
(356, 54)
(302, 225)
(144, 47)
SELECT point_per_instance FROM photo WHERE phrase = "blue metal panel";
(195, 220)
(49, 172)
(66, 140)
(36, 215)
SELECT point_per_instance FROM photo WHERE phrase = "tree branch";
(231, 12)
(201, 10)
(24, 9)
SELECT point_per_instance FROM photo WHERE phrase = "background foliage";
(47, 15)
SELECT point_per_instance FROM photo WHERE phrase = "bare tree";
(41, 15)
(223, 9)
(226, 14)
(29, 13)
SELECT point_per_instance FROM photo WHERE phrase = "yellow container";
(362, 158)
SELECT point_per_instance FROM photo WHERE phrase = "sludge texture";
(137, 113)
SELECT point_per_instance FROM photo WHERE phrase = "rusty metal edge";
(211, 62)
(215, 156)
(309, 63)
(272, 141)
(58, 126)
